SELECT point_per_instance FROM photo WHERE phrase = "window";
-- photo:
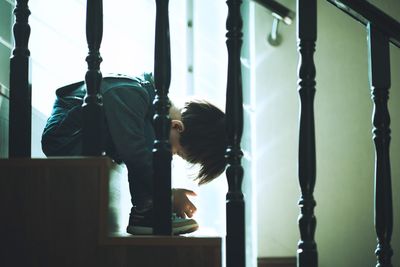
(58, 44)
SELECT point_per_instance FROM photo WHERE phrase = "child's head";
(203, 138)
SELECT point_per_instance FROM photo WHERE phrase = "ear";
(177, 125)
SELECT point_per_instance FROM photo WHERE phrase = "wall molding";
(276, 262)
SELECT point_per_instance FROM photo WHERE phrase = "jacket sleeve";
(125, 110)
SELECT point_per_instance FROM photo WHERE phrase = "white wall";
(345, 232)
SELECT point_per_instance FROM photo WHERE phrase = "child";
(197, 135)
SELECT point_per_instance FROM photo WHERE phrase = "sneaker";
(183, 226)
(141, 223)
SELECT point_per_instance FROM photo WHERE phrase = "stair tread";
(64, 211)
(186, 240)
(35, 174)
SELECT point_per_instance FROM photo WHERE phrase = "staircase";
(65, 212)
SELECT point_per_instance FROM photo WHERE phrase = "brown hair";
(204, 138)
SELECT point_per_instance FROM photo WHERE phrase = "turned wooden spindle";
(379, 76)
(93, 117)
(235, 208)
(307, 255)
(162, 123)
(20, 110)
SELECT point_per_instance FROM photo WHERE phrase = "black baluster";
(307, 255)
(92, 107)
(235, 221)
(162, 123)
(20, 109)
(379, 75)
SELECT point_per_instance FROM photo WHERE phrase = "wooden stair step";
(64, 212)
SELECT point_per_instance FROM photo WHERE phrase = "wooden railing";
(20, 111)
(382, 29)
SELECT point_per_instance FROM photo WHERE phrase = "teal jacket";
(129, 132)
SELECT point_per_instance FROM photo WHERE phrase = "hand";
(182, 206)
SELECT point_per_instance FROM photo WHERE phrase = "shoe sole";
(141, 230)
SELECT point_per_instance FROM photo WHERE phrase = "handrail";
(278, 10)
(366, 13)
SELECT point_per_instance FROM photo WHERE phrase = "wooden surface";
(162, 148)
(307, 254)
(277, 262)
(92, 108)
(235, 206)
(379, 75)
(54, 213)
(20, 116)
